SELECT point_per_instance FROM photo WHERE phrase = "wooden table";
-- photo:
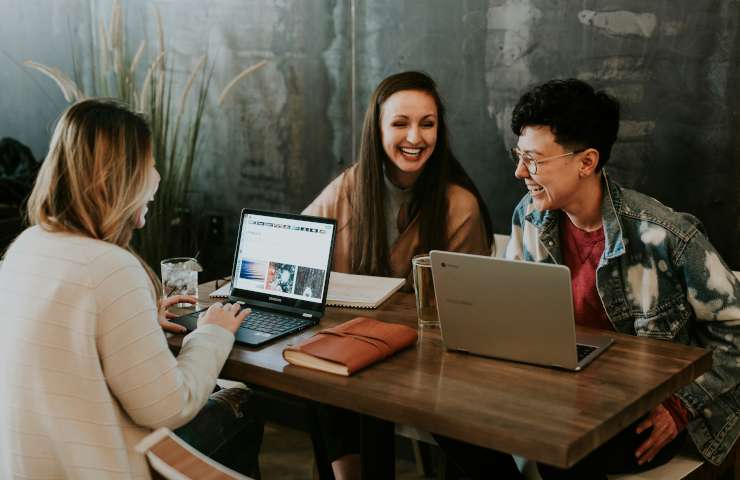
(547, 415)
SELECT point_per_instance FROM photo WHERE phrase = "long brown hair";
(94, 179)
(370, 252)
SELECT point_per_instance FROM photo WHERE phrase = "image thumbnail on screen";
(309, 282)
(280, 277)
(253, 273)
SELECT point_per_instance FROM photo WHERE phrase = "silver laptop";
(514, 310)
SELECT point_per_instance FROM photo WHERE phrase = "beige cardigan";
(85, 370)
(465, 227)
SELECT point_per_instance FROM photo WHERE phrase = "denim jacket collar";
(611, 207)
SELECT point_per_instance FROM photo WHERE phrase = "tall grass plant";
(175, 117)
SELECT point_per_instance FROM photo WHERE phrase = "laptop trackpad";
(189, 320)
(590, 346)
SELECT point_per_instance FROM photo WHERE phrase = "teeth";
(411, 151)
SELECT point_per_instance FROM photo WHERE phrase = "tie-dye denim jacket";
(660, 277)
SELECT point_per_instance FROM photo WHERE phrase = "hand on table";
(165, 316)
(664, 430)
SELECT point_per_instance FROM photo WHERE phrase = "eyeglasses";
(531, 163)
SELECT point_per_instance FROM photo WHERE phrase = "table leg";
(378, 449)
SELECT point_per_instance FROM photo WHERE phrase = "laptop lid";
(282, 261)
(515, 310)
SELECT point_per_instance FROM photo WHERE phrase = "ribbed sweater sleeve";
(152, 386)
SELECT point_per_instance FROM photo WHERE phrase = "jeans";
(227, 431)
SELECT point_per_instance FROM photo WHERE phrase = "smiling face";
(556, 184)
(408, 125)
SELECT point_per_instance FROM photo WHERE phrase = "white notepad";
(348, 290)
(360, 291)
(222, 292)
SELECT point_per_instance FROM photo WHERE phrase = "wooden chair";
(171, 458)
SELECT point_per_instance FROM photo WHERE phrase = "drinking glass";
(180, 277)
(426, 303)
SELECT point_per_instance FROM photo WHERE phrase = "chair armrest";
(173, 459)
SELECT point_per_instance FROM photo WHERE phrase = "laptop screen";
(283, 259)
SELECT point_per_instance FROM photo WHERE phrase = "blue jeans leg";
(227, 430)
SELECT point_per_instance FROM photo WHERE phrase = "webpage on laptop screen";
(284, 257)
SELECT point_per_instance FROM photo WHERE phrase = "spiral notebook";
(349, 290)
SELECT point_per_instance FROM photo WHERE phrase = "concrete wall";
(293, 126)
(40, 30)
(674, 67)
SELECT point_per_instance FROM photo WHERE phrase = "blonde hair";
(94, 179)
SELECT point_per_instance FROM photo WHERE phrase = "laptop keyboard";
(583, 351)
(272, 323)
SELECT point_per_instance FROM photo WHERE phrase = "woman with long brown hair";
(406, 195)
(85, 369)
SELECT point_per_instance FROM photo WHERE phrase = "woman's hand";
(165, 316)
(228, 316)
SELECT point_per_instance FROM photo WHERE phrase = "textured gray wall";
(288, 129)
(40, 30)
(673, 65)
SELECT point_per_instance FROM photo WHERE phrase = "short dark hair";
(578, 115)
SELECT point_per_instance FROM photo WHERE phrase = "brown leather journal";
(350, 346)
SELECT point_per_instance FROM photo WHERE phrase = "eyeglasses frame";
(531, 163)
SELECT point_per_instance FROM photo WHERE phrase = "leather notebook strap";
(383, 347)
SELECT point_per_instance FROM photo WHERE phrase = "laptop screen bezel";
(275, 300)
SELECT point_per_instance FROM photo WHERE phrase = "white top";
(85, 370)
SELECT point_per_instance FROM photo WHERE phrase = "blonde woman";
(86, 370)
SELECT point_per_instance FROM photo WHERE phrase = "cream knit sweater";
(85, 371)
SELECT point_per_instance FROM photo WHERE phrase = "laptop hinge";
(296, 312)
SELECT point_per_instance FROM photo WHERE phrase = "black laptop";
(281, 271)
